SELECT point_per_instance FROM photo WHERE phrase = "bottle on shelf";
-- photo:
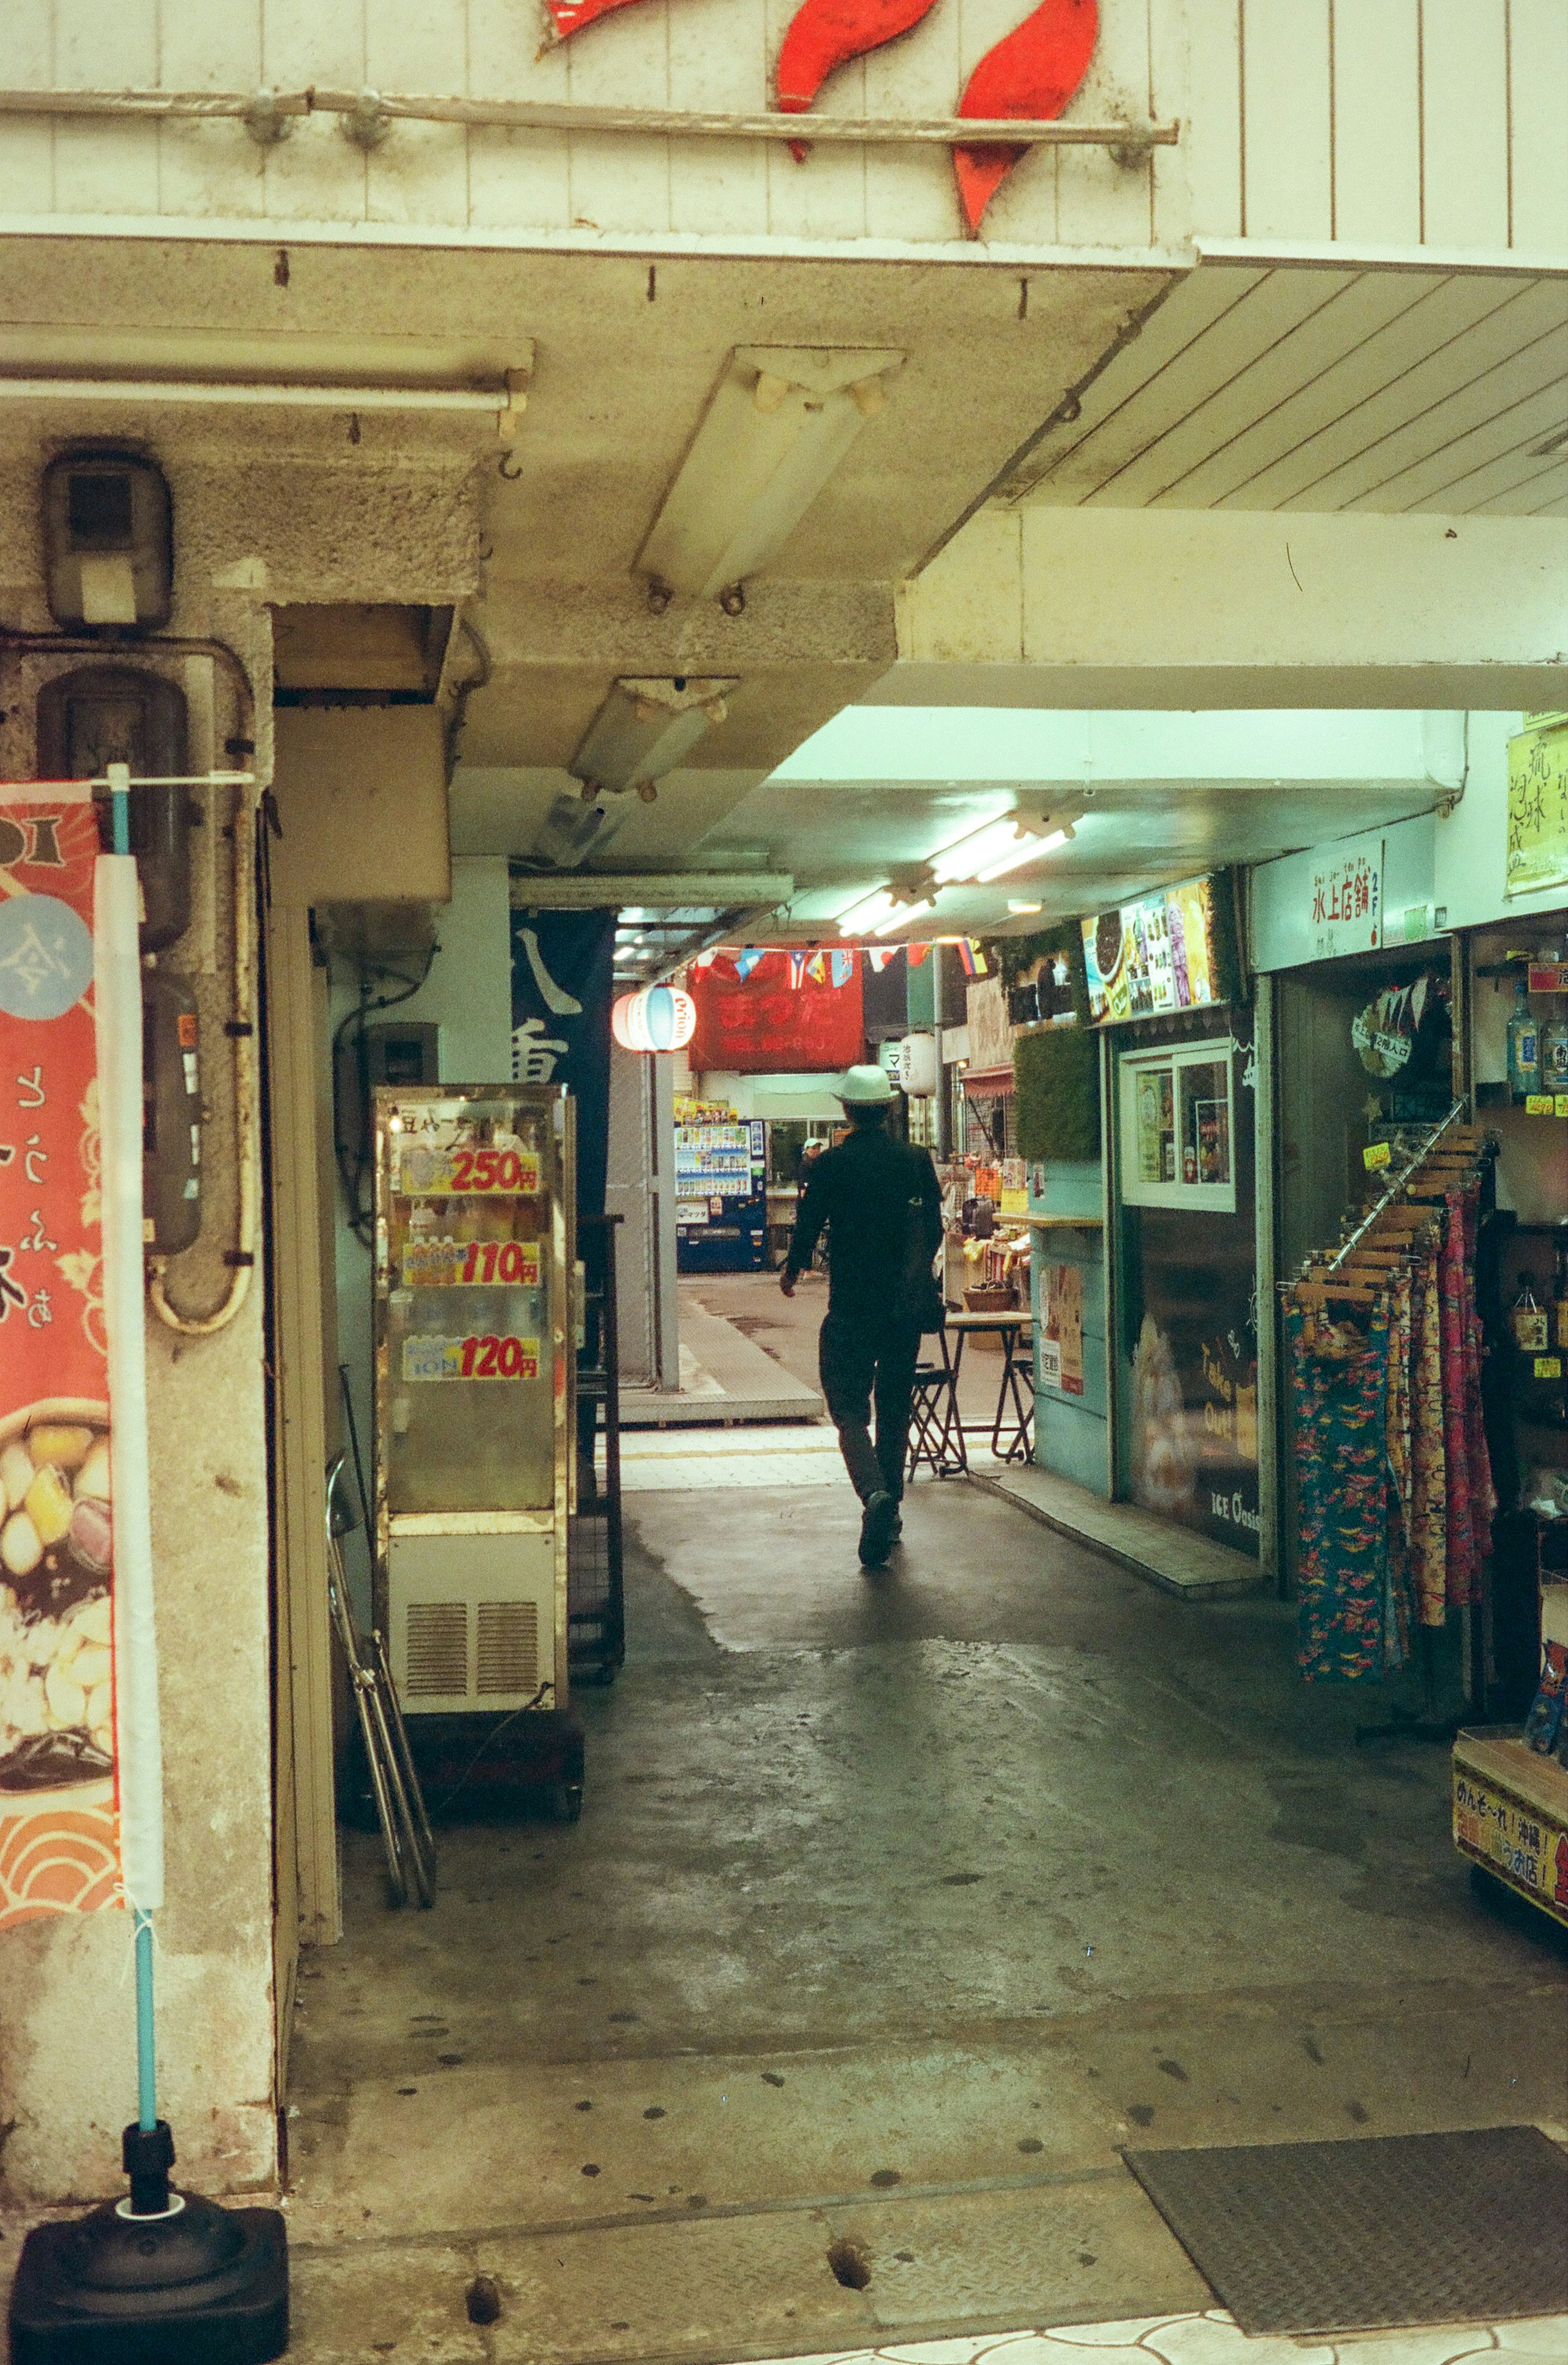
(1527, 1320)
(1524, 1047)
(1555, 1055)
(1560, 1291)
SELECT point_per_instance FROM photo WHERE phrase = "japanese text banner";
(58, 1807)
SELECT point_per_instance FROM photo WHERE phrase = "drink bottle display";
(1528, 1321)
(1555, 1055)
(1523, 1048)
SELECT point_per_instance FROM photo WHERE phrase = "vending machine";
(720, 1186)
(474, 1391)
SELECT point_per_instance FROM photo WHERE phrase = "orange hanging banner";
(59, 1804)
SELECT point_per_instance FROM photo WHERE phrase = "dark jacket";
(881, 1205)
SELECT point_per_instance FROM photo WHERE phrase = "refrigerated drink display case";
(474, 1335)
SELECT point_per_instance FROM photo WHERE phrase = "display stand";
(1397, 1230)
(474, 1414)
(1510, 1816)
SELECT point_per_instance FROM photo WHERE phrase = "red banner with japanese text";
(777, 1013)
(58, 1807)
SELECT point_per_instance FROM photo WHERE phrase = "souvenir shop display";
(1384, 1360)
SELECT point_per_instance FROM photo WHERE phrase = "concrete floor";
(897, 1905)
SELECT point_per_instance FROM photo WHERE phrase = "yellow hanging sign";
(1538, 811)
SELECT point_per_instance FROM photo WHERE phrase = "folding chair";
(936, 1433)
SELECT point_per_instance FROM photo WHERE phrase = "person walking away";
(881, 1205)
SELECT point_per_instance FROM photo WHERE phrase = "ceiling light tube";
(899, 913)
(645, 727)
(963, 858)
(1022, 854)
(779, 422)
(866, 913)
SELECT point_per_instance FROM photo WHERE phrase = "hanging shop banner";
(1061, 1343)
(787, 1016)
(59, 1808)
(1538, 811)
(562, 987)
(1158, 956)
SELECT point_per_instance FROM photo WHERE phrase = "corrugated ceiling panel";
(1323, 426)
(1253, 409)
(1248, 329)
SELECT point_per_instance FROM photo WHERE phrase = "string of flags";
(835, 966)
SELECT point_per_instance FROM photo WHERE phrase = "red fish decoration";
(825, 34)
(570, 15)
(1032, 73)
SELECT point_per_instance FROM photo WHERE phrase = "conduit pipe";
(268, 115)
(242, 1027)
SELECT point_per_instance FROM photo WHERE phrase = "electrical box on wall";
(371, 1056)
(108, 542)
(99, 715)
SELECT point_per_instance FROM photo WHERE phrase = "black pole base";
(188, 2283)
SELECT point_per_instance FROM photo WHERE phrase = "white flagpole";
(139, 1748)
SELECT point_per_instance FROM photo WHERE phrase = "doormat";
(1356, 2237)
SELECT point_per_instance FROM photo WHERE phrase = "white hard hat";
(864, 1087)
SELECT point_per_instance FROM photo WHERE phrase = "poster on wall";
(1538, 811)
(1061, 1339)
(791, 1014)
(1157, 956)
(58, 1807)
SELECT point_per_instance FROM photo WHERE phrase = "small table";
(1012, 1327)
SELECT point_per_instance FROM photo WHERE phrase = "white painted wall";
(1373, 122)
(1472, 844)
(1135, 591)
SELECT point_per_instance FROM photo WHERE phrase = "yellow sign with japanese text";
(1538, 811)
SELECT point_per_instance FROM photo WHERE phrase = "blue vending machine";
(721, 1194)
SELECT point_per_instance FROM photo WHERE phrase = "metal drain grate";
(1320, 2237)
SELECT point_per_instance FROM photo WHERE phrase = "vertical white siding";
(1377, 122)
(1465, 92)
(1286, 120)
(1371, 122)
(1539, 123)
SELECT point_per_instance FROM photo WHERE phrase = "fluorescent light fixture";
(646, 726)
(862, 916)
(1000, 847)
(779, 422)
(1027, 852)
(1013, 905)
(963, 858)
(899, 913)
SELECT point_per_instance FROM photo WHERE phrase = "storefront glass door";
(1186, 1349)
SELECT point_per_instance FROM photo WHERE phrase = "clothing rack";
(1396, 1226)
(1393, 1190)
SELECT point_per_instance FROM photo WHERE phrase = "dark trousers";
(860, 1359)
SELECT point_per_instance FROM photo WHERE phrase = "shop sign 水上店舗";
(1347, 899)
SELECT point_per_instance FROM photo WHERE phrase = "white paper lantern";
(658, 1018)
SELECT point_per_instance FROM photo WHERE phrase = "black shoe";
(878, 1529)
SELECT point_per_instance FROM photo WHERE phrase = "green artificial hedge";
(1056, 1090)
(1055, 1070)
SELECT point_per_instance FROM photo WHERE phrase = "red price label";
(473, 1358)
(428, 1172)
(451, 1264)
